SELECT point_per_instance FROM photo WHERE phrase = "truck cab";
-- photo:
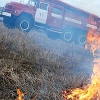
(39, 13)
(19, 15)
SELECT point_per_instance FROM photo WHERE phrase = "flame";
(20, 95)
(92, 90)
(35, 97)
(93, 40)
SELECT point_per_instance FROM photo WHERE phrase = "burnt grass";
(40, 66)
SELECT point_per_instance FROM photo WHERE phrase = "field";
(39, 65)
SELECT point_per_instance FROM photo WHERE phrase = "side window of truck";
(44, 6)
(57, 11)
(80, 13)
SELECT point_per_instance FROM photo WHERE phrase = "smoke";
(56, 46)
(73, 57)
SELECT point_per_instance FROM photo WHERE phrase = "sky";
(91, 6)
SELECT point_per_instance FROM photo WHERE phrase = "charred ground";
(40, 66)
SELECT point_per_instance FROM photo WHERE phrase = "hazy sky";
(92, 6)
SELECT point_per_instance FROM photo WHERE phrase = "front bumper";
(3, 13)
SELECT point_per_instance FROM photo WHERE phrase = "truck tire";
(24, 23)
(8, 22)
(68, 35)
(82, 39)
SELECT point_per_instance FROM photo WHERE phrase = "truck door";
(55, 16)
(42, 13)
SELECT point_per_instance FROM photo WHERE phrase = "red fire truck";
(63, 20)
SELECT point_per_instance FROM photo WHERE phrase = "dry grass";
(28, 64)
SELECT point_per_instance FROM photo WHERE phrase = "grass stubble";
(27, 63)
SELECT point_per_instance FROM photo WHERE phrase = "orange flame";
(92, 90)
(20, 95)
(35, 97)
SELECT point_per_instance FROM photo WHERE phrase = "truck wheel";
(24, 23)
(82, 39)
(68, 36)
(8, 22)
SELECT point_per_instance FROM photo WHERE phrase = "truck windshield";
(33, 2)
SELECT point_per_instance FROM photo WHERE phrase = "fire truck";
(59, 18)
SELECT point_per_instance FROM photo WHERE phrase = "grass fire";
(92, 90)
(20, 95)
(43, 55)
(27, 65)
